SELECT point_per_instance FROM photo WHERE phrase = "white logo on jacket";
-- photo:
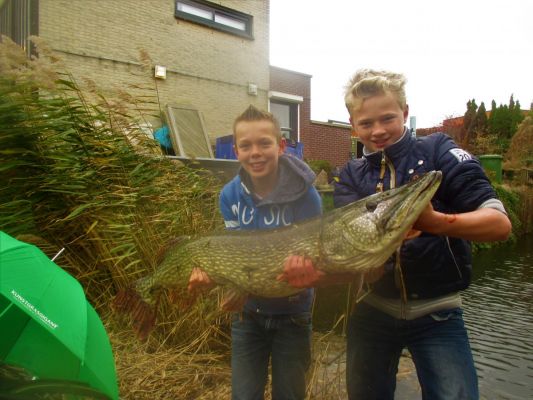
(461, 154)
(277, 216)
(247, 215)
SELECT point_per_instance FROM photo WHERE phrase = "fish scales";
(355, 238)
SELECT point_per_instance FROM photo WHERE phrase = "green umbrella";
(47, 326)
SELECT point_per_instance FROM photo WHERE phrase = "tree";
(516, 118)
(520, 153)
(481, 133)
(504, 119)
(492, 116)
(511, 103)
(481, 141)
(469, 123)
(470, 114)
(480, 121)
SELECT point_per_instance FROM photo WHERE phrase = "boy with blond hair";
(270, 190)
(414, 301)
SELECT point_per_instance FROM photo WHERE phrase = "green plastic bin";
(492, 164)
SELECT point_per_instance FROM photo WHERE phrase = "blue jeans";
(256, 338)
(437, 342)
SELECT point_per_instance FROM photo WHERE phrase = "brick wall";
(206, 68)
(328, 142)
(321, 140)
(297, 83)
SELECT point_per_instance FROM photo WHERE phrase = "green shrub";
(319, 165)
(511, 202)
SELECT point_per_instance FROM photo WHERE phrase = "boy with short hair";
(414, 300)
(271, 190)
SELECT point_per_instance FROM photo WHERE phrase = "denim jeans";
(256, 338)
(437, 342)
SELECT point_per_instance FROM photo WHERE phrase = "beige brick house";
(214, 54)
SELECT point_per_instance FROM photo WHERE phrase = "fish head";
(374, 227)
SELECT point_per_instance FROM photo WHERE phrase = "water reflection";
(498, 313)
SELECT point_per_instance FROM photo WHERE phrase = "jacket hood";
(295, 178)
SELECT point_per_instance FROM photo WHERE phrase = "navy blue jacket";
(432, 265)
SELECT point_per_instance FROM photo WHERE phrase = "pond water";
(499, 316)
(498, 311)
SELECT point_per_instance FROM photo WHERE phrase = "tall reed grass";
(85, 176)
(78, 172)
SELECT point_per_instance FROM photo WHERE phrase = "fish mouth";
(434, 177)
(409, 202)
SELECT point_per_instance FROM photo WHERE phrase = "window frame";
(293, 110)
(294, 103)
(19, 19)
(216, 9)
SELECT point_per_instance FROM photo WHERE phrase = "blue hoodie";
(294, 199)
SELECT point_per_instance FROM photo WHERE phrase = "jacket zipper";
(398, 273)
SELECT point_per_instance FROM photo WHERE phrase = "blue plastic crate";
(224, 148)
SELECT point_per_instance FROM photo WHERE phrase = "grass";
(78, 172)
(81, 174)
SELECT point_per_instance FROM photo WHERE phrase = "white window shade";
(282, 112)
(231, 22)
(197, 11)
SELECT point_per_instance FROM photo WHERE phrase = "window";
(215, 16)
(19, 20)
(287, 115)
(187, 132)
(286, 109)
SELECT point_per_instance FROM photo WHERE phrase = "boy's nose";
(255, 149)
(378, 129)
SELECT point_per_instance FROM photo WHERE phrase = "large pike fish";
(355, 238)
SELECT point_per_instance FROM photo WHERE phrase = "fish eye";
(371, 205)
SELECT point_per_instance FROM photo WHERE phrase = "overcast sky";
(450, 51)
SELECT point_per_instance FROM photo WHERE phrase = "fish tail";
(143, 315)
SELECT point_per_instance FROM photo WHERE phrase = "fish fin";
(233, 300)
(180, 298)
(142, 314)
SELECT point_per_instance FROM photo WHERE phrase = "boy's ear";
(354, 132)
(405, 113)
(282, 145)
